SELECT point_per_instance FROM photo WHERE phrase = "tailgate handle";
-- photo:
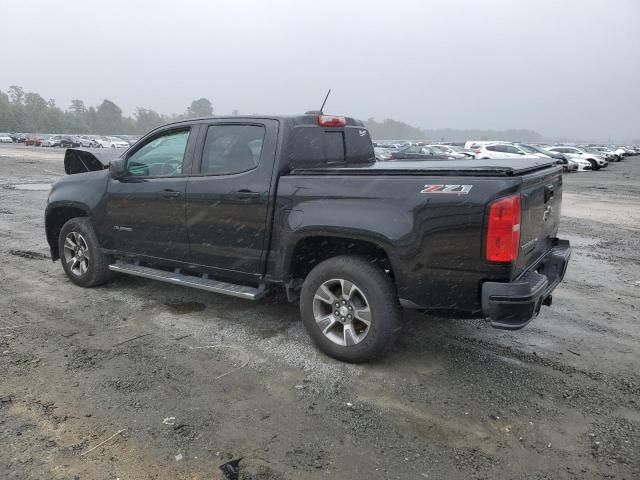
(548, 193)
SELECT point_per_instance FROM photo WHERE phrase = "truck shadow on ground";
(421, 337)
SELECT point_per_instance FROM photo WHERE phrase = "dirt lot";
(455, 399)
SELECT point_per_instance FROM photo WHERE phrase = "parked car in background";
(87, 141)
(501, 150)
(568, 164)
(448, 150)
(629, 151)
(33, 141)
(475, 145)
(608, 156)
(460, 149)
(416, 152)
(51, 141)
(130, 139)
(611, 154)
(5, 138)
(597, 161)
(18, 137)
(69, 142)
(383, 153)
(111, 142)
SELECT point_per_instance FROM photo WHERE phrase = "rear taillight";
(331, 121)
(503, 230)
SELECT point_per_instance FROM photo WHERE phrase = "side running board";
(202, 283)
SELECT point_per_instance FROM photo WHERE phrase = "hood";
(79, 161)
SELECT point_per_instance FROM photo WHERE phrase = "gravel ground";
(190, 380)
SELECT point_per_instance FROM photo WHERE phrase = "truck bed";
(479, 168)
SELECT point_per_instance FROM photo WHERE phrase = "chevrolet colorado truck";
(244, 205)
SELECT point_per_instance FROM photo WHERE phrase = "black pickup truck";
(242, 205)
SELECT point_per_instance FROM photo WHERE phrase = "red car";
(33, 141)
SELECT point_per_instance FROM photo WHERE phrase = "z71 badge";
(456, 189)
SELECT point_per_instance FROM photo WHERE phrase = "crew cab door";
(146, 208)
(228, 197)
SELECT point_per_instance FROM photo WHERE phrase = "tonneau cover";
(471, 167)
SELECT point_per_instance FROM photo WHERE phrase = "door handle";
(168, 193)
(245, 194)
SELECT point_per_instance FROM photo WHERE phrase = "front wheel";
(594, 165)
(80, 254)
(350, 309)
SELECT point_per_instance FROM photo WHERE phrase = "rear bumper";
(512, 305)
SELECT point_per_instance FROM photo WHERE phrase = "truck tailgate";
(541, 197)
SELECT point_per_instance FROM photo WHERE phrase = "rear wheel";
(80, 254)
(350, 309)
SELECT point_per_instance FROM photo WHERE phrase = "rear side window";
(232, 149)
(495, 148)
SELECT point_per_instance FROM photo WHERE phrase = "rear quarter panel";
(433, 239)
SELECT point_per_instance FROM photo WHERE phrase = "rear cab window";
(313, 146)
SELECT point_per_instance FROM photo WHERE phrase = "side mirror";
(116, 168)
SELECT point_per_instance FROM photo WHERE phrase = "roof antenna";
(325, 101)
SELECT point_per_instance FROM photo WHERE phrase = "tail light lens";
(331, 121)
(503, 230)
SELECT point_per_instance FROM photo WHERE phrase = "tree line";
(393, 130)
(24, 112)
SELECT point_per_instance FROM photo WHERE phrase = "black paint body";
(245, 227)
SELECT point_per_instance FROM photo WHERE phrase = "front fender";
(74, 195)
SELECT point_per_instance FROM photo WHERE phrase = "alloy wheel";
(342, 312)
(76, 254)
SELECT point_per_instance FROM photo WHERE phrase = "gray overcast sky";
(559, 67)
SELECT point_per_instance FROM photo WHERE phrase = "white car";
(52, 141)
(111, 142)
(607, 152)
(583, 165)
(503, 150)
(597, 162)
(5, 138)
(87, 141)
(455, 152)
(475, 145)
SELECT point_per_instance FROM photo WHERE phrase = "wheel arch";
(309, 250)
(56, 216)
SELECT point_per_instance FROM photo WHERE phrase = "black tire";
(96, 270)
(376, 286)
(594, 164)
